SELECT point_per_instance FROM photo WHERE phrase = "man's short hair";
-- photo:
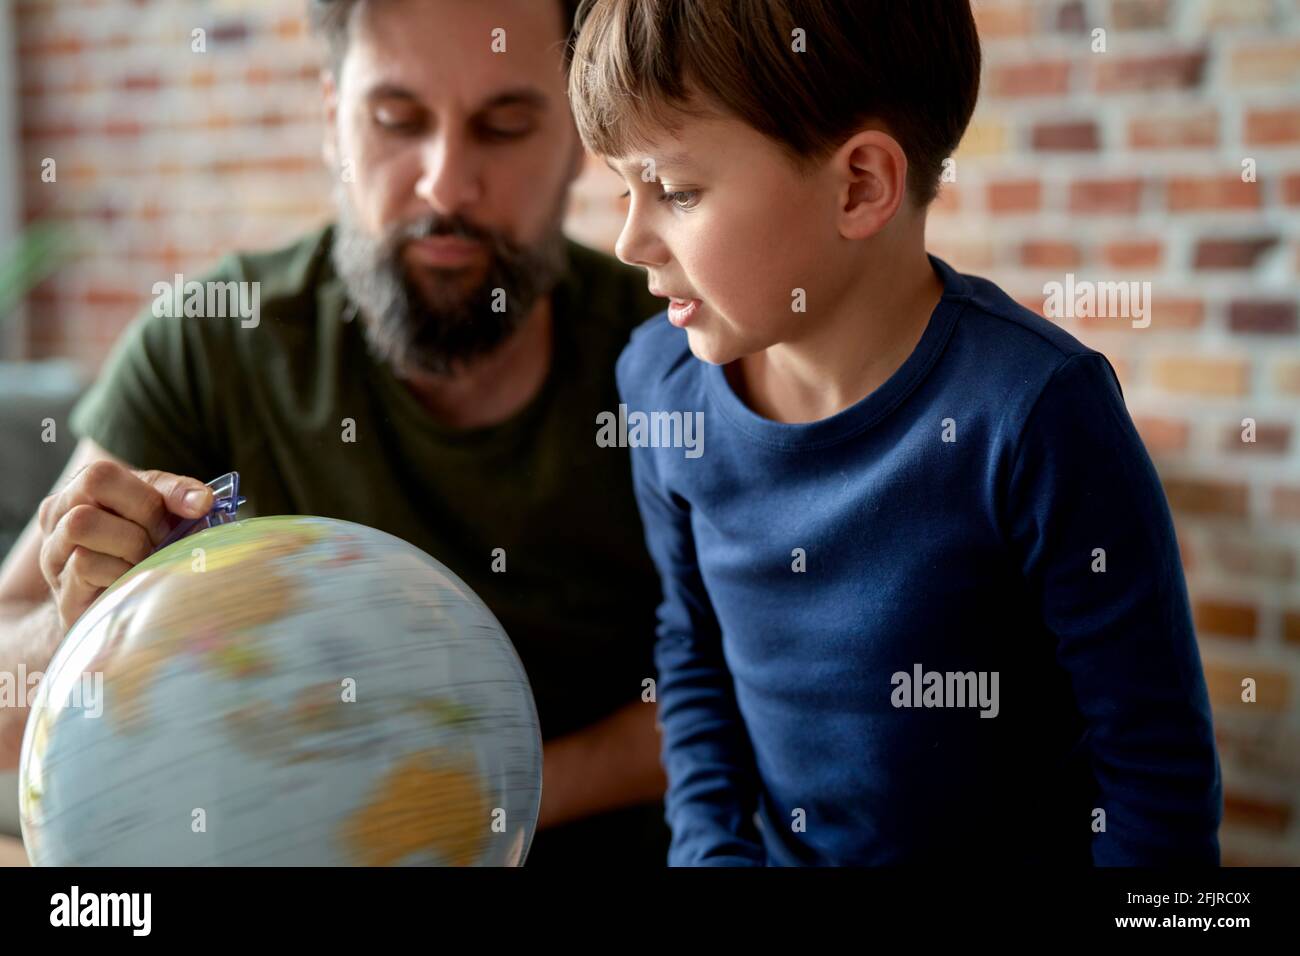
(330, 19)
(912, 64)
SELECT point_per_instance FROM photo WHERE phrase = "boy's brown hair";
(912, 65)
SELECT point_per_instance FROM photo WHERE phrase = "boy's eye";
(682, 198)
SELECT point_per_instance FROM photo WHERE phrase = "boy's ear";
(330, 101)
(871, 169)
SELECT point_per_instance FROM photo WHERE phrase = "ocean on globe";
(283, 691)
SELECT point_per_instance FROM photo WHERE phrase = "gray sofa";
(30, 392)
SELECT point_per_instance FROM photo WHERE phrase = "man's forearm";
(613, 763)
(29, 633)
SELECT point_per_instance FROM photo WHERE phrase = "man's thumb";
(183, 496)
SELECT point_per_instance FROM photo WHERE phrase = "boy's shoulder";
(657, 357)
(1000, 321)
(1000, 347)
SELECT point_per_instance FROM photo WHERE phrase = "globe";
(283, 690)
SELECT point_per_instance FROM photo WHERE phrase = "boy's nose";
(637, 245)
(449, 175)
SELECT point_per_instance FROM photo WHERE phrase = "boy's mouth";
(680, 310)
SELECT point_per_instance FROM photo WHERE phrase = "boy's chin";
(707, 349)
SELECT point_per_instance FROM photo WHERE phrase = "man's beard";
(437, 325)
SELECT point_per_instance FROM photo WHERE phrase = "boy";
(922, 598)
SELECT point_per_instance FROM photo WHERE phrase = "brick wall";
(1127, 164)
(1122, 164)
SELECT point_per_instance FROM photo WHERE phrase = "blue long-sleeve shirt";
(988, 512)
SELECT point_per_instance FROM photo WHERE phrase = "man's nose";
(450, 174)
(637, 244)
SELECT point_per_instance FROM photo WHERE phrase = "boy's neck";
(853, 346)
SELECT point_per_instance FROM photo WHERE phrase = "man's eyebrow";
(390, 91)
(529, 96)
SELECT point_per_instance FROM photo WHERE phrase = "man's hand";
(107, 519)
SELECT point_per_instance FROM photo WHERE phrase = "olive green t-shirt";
(201, 396)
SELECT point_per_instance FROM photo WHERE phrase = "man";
(432, 365)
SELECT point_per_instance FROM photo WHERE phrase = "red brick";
(1103, 196)
(1072, 17)
(1270, 438)
(1186, 193)
(1176, 314)
(1275, 62)
(1272, 687)
(1272, 127)
(1164, 315)
(1202, 375)
(231, 32)
(1004, 18)
(1049, 254)
(1224, 619)
(1286, 502)
(1162, 436)
(1291, 627)
(122, 127)
(274, 164)
(1203, 496)
(1286, 377)
(104, 296)
(64, 45)
(1174, 132)
(1074, 136)
(1270, 318)
(1163, 71)
(1016, 195)
(1042, 78)
(51, 130)
(289, 27)
(136, 82)
(1238, 13)
(1291, 189)
(1139, 14)
(1231, 253)
(1254, 559)
(1133, 253)
(1239, 809)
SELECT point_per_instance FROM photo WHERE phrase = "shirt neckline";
(869, 410)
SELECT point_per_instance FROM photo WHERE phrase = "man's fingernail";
(194, 499)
